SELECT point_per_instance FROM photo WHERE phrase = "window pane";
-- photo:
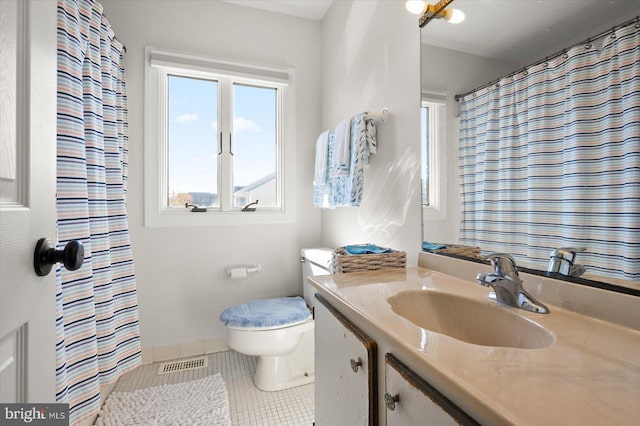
(193, 142)
(254, 145)
(424, 119)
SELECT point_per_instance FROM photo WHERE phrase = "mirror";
(497, 38)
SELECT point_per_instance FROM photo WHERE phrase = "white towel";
(322, 151)
(342, 149)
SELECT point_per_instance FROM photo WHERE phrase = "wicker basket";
(343, 262)
(458, 250)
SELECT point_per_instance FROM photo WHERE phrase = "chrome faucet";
(507, 285)
(562, 261)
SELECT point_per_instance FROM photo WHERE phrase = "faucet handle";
(568, 253)
(570, 249)
(577, 270)
(503, 263)
(481, 279)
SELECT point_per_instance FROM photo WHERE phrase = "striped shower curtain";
(550, 157)
(97, 310)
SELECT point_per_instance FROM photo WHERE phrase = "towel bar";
(382, 115)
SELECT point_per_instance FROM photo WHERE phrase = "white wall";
(370, 60)
(449, 72)
(182, 286)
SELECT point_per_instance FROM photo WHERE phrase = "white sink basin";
(469, 320)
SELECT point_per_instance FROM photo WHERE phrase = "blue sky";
(193, 134)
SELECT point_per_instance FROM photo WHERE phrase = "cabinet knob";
(355, 364)
(391, 400)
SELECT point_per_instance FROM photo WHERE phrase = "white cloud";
(241, 124)
(184, 118)
(197, 160)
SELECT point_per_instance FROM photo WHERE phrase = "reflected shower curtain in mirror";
(550, 158)
(96, 306)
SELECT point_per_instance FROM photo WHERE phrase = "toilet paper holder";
(236, 272)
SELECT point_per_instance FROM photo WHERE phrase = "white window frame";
(437, 118)
(159, 64)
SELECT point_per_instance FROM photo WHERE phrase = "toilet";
(279, 331)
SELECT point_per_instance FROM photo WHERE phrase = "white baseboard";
(183, 350)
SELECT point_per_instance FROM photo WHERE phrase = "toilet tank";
(314, 261)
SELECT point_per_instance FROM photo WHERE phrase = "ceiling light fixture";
(454, 16)
(437, 11)
(416, 7)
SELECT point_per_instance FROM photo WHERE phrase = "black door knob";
(45, 256)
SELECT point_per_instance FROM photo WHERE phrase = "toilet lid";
(266, 313)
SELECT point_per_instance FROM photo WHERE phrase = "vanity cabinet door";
(345, 375)
(411, 400)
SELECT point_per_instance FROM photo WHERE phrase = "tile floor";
(248, 405)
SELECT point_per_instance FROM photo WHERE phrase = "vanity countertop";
(589, 375)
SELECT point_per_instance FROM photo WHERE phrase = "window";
(255, 148)
(433, 146)
(192, 136)
(216, 136)
(426, 116)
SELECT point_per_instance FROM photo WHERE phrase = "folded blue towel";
(366, 249)
(431, 247)
(266, 313)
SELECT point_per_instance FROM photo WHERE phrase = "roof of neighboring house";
(256, 184)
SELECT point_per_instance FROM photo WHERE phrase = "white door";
(27, 198)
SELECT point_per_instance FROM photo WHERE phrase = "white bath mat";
(197, 402)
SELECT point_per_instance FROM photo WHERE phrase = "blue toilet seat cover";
(266, 313)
